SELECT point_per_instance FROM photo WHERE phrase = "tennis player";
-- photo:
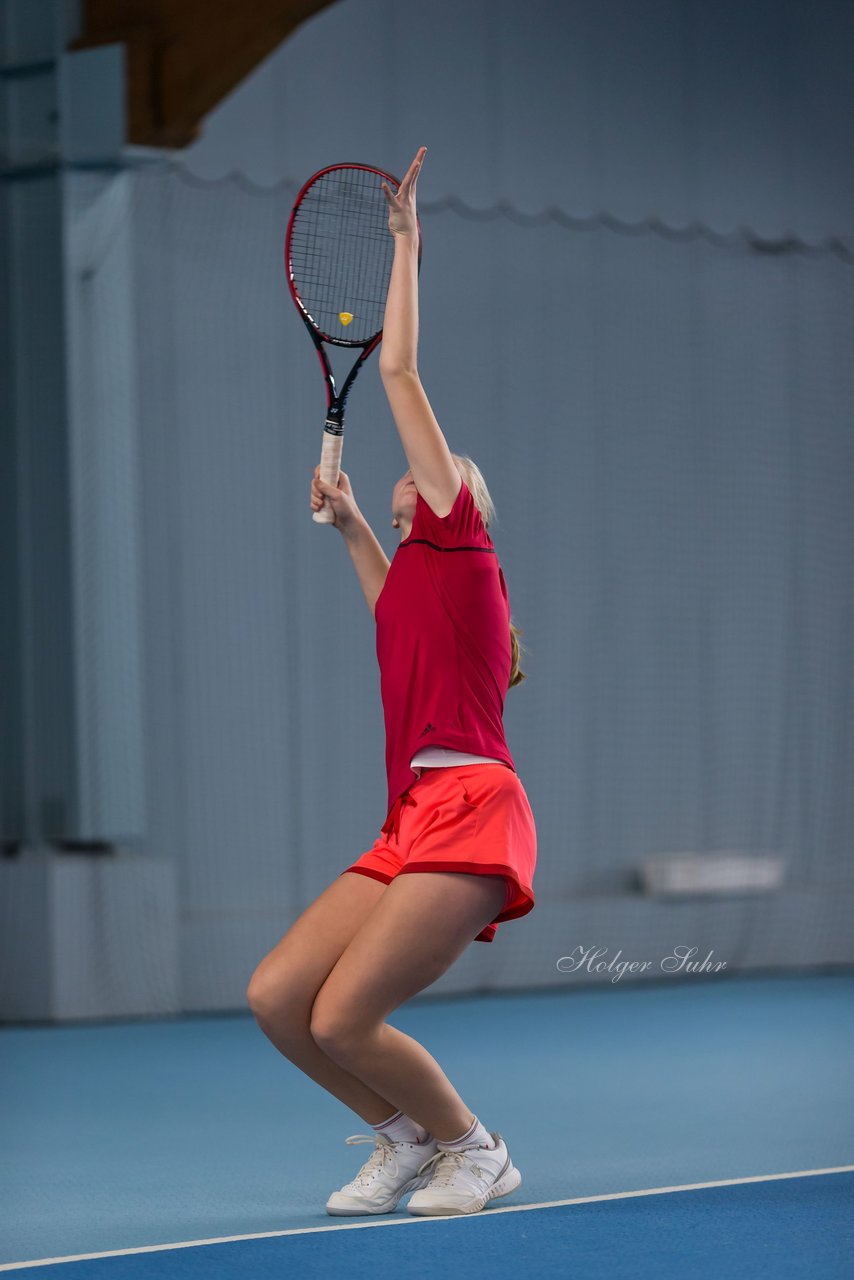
(457, 851)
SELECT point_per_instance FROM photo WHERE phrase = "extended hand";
(340, 498)
(401, 207)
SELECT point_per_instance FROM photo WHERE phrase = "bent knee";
(334, 1027)
(273, 1001)
(257, 992)
(261, 994)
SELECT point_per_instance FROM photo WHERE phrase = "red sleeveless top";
(443, 641)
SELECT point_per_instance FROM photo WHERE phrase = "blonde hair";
(482, 500)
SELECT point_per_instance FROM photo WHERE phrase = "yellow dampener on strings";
(345, 317)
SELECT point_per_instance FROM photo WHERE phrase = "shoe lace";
(375, 1163)
(448, 1165)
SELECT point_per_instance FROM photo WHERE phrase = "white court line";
(415, 1220)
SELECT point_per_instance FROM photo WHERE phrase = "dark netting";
(340, 253)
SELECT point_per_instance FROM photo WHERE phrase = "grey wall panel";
(664, 423)
(654, 473)
(650, 446)
(732, 114)
(101, 364)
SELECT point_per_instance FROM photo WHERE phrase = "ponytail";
(517, 675)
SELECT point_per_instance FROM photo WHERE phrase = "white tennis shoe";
(390, 1172)
(464, 1181)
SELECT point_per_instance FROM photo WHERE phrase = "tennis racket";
(338, 258)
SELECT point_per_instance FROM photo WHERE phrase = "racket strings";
(341, 254)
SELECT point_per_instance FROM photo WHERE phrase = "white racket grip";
(330, 465)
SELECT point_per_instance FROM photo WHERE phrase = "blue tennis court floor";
(135, 1136)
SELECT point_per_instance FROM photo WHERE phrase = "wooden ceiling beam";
(184, 56)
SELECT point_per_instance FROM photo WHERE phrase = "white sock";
(399, 1128)
(475, 1136)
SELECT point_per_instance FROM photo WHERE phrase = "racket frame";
(336, 401)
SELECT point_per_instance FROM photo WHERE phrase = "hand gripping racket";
(338, 258)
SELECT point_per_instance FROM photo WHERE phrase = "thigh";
(289, 976)
(421, 925)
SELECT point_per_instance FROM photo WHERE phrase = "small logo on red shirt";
(427, 729)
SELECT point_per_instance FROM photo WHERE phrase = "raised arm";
(433, 468)
(369, 560)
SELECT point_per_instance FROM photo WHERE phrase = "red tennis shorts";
(472, 818)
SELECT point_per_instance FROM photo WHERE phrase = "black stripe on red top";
(490, 551)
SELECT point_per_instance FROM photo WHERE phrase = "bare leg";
(421, 925)
(284, 986)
